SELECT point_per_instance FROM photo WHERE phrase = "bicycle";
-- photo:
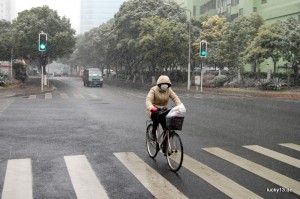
(174, 148)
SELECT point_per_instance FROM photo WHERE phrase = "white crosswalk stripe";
(273, 154)
(64, 96)
(291, 146)
(83, 178)
(48, 96)
(5, 103)
(257, 169)
(152, 180)
(18, 180)
(32, 97)
(221, 182)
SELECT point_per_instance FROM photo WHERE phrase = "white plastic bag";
(177, 111)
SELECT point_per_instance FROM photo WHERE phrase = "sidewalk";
(246, 92)
(33, 86)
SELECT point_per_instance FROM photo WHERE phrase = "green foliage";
(236, 37)
(30, 23)
(220, 80)
(5, 40)
(20, 72)
(164, 42)
(267, 44)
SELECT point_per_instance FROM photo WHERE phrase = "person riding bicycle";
(158, 98)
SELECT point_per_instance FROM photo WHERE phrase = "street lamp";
(189, 58)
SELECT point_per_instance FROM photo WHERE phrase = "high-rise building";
(95, 12)
(7, 10)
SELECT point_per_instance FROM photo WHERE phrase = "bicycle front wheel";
(174, 151)
(152, 146)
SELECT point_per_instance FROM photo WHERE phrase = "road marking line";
(94, 96)
(48, 96)
(221, 182)
(275, 155)
(64, 96)
(152, 180)
(257, 169)
(84, 180)
(5, 103)
(32, 97)
(291, 146)
(18, 180)
(78, 96)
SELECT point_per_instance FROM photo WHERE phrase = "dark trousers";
(158, 119)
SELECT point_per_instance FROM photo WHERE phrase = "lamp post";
(189, 64)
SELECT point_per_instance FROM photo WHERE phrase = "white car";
(110, 71)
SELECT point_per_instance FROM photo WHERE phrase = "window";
(254, 9)
(263, 1)
(235, 2)
(241, 11)
(194, 11)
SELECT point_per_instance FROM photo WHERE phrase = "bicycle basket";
(174, 123)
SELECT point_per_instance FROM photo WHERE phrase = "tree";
(291, 44)
(267, 43)
(237, 35)
(212, 32)
(30, 23)
(5, 40)
(163, 41)
(127, 27)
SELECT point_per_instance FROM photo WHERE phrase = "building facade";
(270, 10)
(7, 10)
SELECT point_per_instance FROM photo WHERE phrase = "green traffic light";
(203, 53)
(42, 46)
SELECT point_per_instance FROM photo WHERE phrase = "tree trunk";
(274, 61)
(296, 72)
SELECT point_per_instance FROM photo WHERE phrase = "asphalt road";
(54, 141)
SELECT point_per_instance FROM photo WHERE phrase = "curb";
(29, 93)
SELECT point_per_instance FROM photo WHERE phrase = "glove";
(153, 110)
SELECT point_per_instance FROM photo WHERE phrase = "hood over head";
(163, 79)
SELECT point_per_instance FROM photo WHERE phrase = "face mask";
(164, 87)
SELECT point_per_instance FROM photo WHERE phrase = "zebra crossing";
(77, 95)
(64, 96)
(86, 184)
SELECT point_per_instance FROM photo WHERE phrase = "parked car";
(57, 74)
(108, 71)
(92, 77)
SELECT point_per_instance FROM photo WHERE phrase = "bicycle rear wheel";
(152, 146)
(174, 151)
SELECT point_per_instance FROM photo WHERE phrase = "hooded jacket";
(159, 98)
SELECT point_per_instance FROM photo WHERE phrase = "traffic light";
(42, 42)
(203, 49)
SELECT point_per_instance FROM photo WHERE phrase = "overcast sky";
(68, 8)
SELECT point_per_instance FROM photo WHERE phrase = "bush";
(274, 84)
(220, 80)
